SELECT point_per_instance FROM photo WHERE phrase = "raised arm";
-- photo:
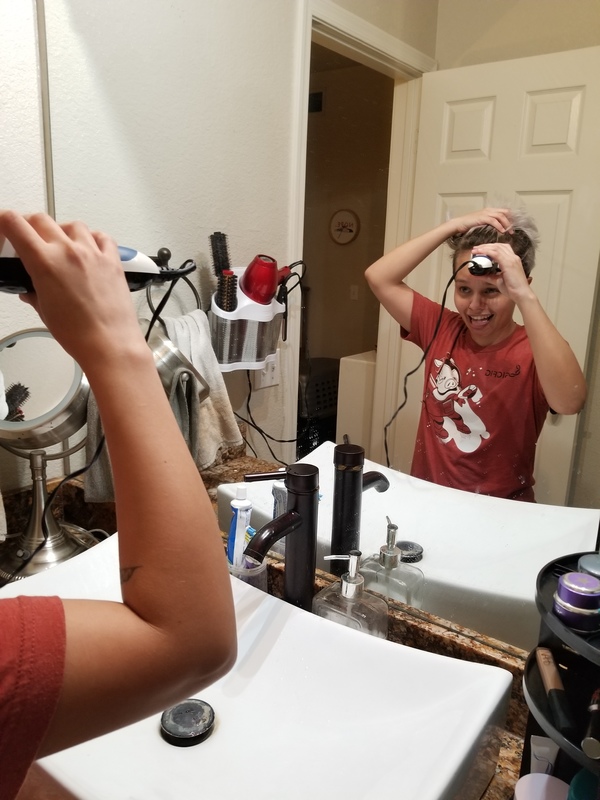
(174, 632)
(386, 277)
(558, 370)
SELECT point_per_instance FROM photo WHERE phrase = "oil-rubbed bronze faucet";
(349, 483)
(299, 524)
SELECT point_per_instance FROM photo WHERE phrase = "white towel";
(217, 427)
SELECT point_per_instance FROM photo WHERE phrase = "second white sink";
(481, 556)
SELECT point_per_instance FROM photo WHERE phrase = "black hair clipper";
(140, 270)
(482, 265)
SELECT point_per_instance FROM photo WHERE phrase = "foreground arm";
(174, 633)
(387, 275)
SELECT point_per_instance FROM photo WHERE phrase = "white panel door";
(524, 131)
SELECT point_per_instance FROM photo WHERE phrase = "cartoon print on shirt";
(450, 408)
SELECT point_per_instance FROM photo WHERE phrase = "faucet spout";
(300, 520)
(375, 480)
(264, 539)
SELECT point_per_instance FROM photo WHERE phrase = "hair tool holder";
(246, 315)
(46, 399)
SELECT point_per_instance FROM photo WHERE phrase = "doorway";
(347, 165)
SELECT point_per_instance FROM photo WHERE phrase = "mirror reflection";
(38, 375)
(208, 142)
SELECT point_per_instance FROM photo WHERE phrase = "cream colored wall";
(412, 21)
(347, 167)
(476, 32)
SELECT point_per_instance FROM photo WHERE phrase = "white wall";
(22, 177)
(169, 121)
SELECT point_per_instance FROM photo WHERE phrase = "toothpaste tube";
(241, 509)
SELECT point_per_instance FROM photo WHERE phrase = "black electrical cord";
(421, 360)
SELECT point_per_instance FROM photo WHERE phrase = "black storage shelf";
(588, 645)
(577, 688)
(577, 656)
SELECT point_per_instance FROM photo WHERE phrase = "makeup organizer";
(577, 659)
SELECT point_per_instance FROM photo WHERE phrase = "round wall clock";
(344, 226)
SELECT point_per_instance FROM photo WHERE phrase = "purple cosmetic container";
(579, 589)
(577, 601)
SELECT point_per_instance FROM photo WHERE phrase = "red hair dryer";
(261, 279)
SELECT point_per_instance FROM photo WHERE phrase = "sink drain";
(187, 723)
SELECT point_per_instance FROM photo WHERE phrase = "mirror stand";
(50, 541)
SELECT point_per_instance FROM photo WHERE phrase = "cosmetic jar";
(581, 620)
(583, 786)
(579, 589)
(589, 563)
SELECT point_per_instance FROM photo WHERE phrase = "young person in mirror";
(489, 382)
(71, 670)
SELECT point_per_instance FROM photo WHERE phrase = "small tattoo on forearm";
(127, 572)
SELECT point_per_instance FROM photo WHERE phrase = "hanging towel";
(217, 427)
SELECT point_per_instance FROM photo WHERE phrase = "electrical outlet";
(354, 292)
(269, 374)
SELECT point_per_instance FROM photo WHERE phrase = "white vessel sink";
(481, 556)
(311, 709)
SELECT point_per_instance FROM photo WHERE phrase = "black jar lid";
(187, 723)
(411, 552)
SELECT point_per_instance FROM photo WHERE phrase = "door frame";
(329, 25)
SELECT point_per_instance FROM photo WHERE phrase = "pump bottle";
(347, 602)
(387, 574)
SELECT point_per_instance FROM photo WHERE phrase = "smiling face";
(487, 313)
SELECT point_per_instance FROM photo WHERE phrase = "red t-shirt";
(32, 658)
(483, 408)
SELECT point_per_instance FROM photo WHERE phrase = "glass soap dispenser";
(347, 602)
(387, 574)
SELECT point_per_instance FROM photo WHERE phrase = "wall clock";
(344, 226)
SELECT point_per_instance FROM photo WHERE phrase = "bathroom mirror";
(179, 134)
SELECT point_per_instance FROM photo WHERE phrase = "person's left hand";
(512, 280)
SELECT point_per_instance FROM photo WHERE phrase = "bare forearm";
(170, 544)
(559, 372)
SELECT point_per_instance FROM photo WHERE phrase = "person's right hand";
(80, 292)
(495, 217)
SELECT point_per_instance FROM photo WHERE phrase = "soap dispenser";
(347, 602)
(387, 574)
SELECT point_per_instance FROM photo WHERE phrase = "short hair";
(524, 238)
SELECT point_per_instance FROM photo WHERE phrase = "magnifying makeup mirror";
(45, 400)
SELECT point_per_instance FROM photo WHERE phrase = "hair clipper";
(140, 270)
(482, 265)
